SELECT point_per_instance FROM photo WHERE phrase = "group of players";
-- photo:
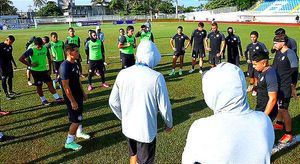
(274, 85)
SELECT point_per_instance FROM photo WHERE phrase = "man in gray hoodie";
(235, 133)
(137, 95)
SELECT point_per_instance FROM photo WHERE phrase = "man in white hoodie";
(235, 133)
(137, 95)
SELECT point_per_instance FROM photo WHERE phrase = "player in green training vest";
(145, 34)
(57, 51)
(72, 38)
(95, 50)
(39, 55)
(127, 45)
(121, 34)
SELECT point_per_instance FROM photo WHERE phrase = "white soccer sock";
(1, 134)
(56, 96)
(79, 129)
(43, 98)
(70, 138)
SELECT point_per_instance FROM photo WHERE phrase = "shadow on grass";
(296, 130)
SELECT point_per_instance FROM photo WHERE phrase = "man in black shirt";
(6, 69)
(179, 49)
(292, 44)
(286, 64)
(198, 37)
(267, 86)
(74, 95)
(216, 45)
(234, 47)
(254, 48)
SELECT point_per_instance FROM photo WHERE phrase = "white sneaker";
(200, 71)
(250, 88)
(29, 83)
(191, 71)
(83, 135)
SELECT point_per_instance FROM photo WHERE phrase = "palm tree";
(39, 3)
(4, 5)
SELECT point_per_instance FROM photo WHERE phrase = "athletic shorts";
(145, 151)
(179, 53)
(7, 72)
(121, 56)
(75, 116)
(252, 73)
(283, 103)
(40, 77)
(127, 60)
(214, 59)
(198, 53)
(56, 66)
(96, 65)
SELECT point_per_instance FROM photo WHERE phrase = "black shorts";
(127, 60)
(40, 77)
(75, 116)
(179, 53)
(283, 103)
(233, 59)
(56, 65)
(121, 54)
(145, 151)
(7, 72)
(252, 73)
(198, 53)
(214, 59)
(96, 65)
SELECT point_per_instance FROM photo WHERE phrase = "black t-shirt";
(232, 43)
(179, 41)
(216, 39)
(267, 82)
(283, 64)
(255, 48)
(5, 55)
(70, 71)
(198, 37)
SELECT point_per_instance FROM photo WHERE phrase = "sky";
(22, 5)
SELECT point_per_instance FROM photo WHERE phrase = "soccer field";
(41, 131)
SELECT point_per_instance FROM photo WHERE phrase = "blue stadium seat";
(277, 6)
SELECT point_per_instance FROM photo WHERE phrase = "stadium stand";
(278, 6)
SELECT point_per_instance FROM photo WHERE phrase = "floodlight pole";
(176, 2)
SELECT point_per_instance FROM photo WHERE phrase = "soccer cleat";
(29, 83)
(191, 71)
(83, 135)
(45, 103)
(90, 87)
(254, 93)
(59, 100)
(3, 113)
(8, 97)
(172, 73)
(278, 127)
(286, 138)
(180, 72)
(105, 85)
(12, 94)
(250, 88)
(73, 146)
(200, 71)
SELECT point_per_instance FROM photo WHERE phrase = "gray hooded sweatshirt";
(139, 93)
(235, 133)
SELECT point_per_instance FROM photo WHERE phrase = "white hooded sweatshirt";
(235, 133)
(138, 93)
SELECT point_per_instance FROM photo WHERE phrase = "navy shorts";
(252, 73)
(56, 65)
(75, 116)
(40, 77)
(214, 59)
(198, 53)
(179, 53)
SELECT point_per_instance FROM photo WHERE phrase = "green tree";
(39, 3)
(7, 8)
(50, 9)
(117, 6)
(166, 7)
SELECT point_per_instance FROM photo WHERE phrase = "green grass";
(41, 131)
